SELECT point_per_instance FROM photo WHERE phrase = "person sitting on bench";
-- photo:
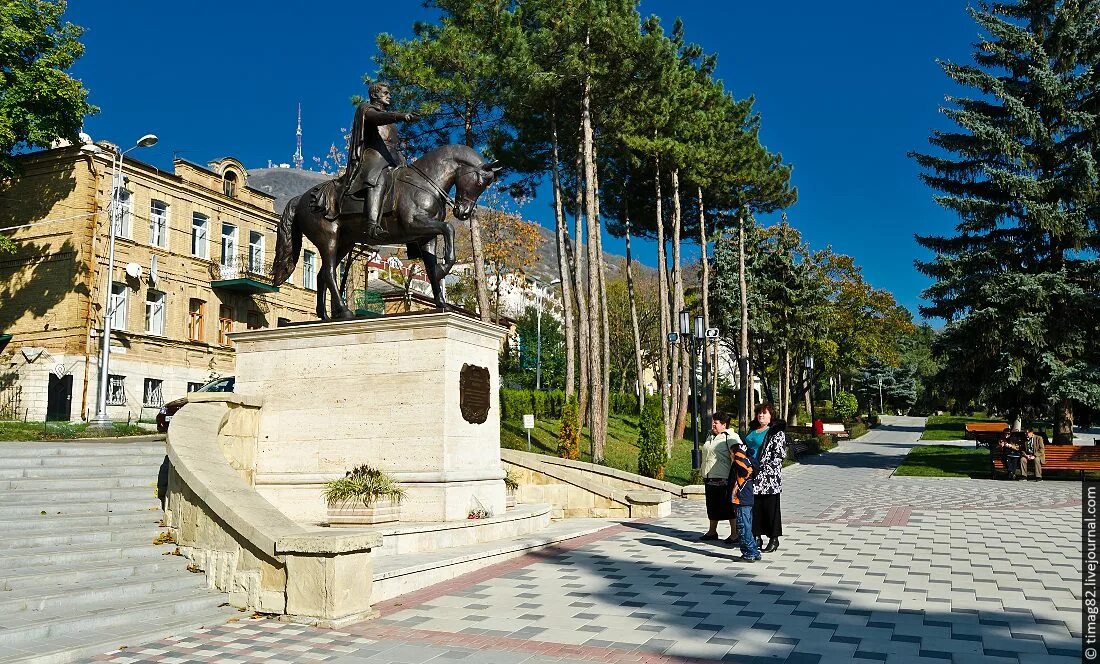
(1034, 451)
(1010, 454)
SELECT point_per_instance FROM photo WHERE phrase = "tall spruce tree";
(1018, 283)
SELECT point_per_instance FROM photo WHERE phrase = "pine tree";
(1018, 282)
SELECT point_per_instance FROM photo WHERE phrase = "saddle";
(323, 199)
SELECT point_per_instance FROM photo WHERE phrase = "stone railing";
(247, 547)
(578, 489)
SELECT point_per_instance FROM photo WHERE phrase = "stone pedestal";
(384, 392)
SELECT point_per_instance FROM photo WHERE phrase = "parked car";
(164, 417)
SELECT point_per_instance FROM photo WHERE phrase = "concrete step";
(144, 503)
(24, 630)
(79, 472)
(40, 523)
(66, 576)
(26, 560)
(24, 451)
(119, 591)
(79, 536)
(39, 497)
(100, 461)
(81, 647)
(80, 484)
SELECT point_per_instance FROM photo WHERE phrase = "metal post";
(696, 453)
(880, 395)
(101, 419)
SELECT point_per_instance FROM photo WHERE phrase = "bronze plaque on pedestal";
(473, 393)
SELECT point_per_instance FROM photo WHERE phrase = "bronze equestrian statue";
(381, 200)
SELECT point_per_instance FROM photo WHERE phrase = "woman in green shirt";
(717, 455)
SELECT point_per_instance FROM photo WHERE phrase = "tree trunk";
(605, 325)
(565, 271)
(664, 382)
(583, 351)
(1063, 423)
(597, 372)
(746, 364)
(476, 246)
(634, 318)
(706, 385)
(678, 306)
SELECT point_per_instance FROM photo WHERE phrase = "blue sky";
(844, 91)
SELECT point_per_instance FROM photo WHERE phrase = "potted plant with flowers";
(364, 496)
(510, 487)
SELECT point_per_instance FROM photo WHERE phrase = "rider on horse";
(373, 153)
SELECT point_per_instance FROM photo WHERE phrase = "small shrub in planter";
(364, 496)
(510, 487)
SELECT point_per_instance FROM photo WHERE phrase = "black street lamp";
(693, 338)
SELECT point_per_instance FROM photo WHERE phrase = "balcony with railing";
(247, 273)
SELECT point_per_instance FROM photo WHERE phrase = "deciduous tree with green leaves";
(1019, 281)
(39, 101)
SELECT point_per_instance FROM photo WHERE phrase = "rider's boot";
(372, 208)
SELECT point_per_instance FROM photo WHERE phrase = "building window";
(200, 235)
(154, 312)
(255, 320)
(153, 397)
(256, 252)
(158, 223)
(229, 245)
(193, 387)
(229, 184)
(225, 324)
(116, 390)
(309, 269)
(196, 315)
(120, 297)
(124, 225)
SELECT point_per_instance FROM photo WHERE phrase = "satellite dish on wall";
(133, 270)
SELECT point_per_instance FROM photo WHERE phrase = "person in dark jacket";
(742, 469)
(768, 482)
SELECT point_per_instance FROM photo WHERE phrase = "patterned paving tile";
(871, 569)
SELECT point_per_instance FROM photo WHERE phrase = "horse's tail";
(288, 244)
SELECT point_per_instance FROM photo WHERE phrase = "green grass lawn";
(945, 461)
(621, 451)
(61, 431)
(948, 427)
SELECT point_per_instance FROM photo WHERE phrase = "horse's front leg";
(435, 278)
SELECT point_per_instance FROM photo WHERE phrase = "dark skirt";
(766, 519)
(719, 507)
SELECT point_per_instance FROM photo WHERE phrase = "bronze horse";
(415, 218)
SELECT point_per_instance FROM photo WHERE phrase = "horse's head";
(469, 185)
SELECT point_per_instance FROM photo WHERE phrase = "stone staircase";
(80, 574)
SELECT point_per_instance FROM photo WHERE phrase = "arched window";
(229, 183)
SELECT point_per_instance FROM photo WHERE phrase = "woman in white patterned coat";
(768, 481)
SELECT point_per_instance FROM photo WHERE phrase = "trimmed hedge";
(858, 430)
(514, 404)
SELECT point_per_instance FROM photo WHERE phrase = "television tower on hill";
(298, 153)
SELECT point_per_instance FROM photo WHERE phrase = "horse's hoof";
(343, 315)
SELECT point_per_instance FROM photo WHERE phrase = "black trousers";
(766, 517)
(718, 501)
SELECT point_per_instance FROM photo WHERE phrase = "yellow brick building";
(192, 263)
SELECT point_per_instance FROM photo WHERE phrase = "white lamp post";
(101, 419)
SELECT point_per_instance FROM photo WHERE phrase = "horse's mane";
(461, 152)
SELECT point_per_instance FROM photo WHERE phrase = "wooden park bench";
(984, 434)
(1059, 457)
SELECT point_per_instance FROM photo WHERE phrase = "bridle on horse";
(436, 188)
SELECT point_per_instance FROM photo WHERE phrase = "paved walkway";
(872, 568)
